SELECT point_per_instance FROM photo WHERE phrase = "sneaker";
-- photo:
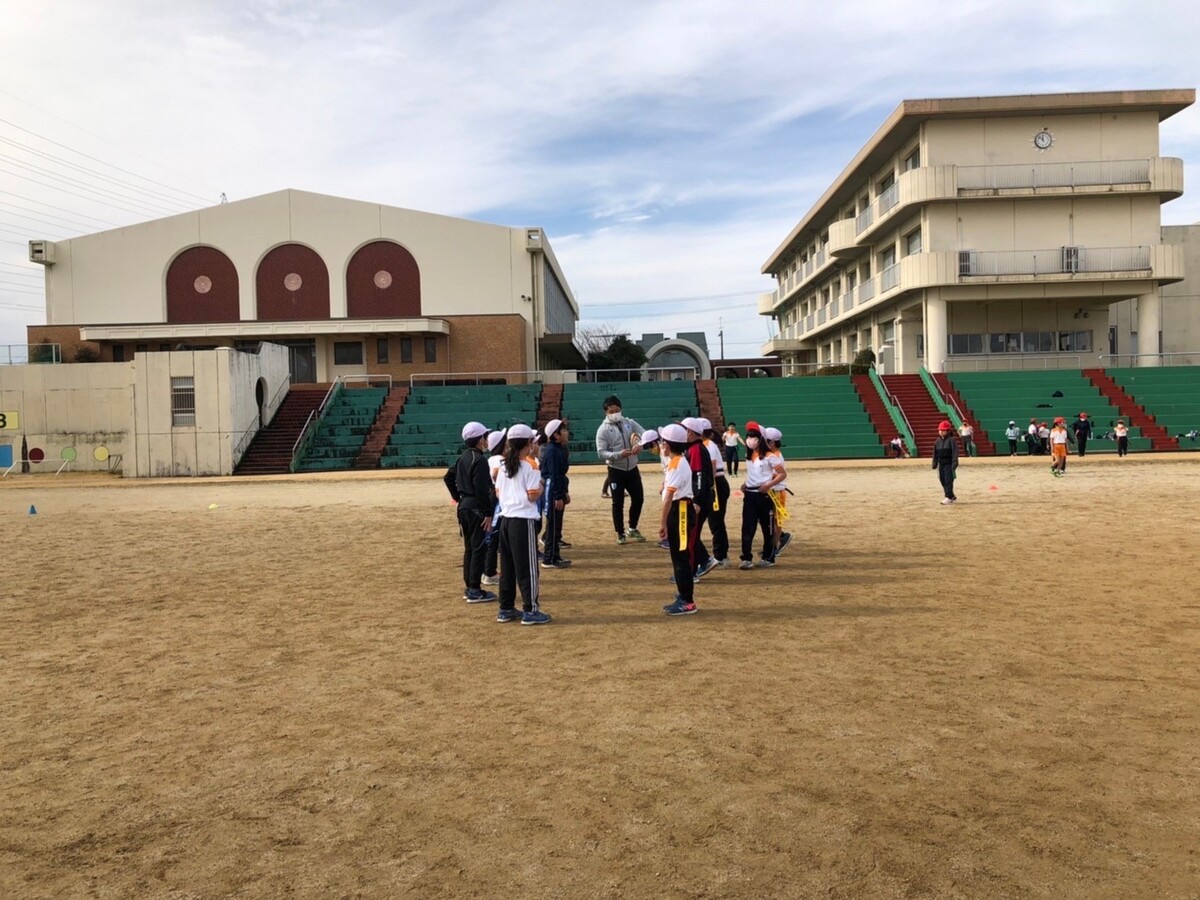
(556, 564)
(634, 535)
(490, 579)
(665, 545)
(946, 501)
(564, 543)
(746, 564)
(784, 540)
(536, 617)
(766, 563)
(473, 595)
(667, 607)
(620, 539)
(679, 608)
(722, 564)
(705, 567)
(541, 544)
(509, 615)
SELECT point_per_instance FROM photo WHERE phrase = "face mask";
(615, 418)
(752, 443)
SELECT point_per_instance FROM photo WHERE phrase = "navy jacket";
(555, 463)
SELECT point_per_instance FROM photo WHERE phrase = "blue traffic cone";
(32, 510)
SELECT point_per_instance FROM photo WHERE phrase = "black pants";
(1082, 443)
(946, 477)
(1012, 447)
(491, 552)
(683, 529)
(716, 520)
(758, 513)
(471, 521)
(731, 460)
(518, 563)
(620, 481)
(552, 532)
(1122, 446)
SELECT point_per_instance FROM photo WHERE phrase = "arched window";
(202, 286)
(292, 283)
(383, 282)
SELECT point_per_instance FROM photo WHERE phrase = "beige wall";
(1009, 140)
(1180, 304)
(84, 406)
(1045, 223)
(224, 381)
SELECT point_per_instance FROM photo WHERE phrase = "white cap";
(473, 431)
(705, 425)
(676, 434)
(693, 424)
(772, 434)
(520, 432)
(495, 439)
(650, 436)
(552, 426)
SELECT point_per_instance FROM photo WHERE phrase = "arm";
(779, 476)
(668, 498)
(603, 450)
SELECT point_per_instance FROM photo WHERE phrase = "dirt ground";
(286, 696)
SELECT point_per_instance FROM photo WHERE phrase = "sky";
(666, 147)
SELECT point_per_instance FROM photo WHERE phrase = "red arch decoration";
(382, 282)
(292, 283)
(202, 286)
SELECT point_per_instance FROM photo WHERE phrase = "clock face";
(1043, 139)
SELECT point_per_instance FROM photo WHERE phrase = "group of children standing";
(506, 499)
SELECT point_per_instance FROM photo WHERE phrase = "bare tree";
(596, 339)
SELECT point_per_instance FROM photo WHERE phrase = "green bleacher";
(343, 429)
(1171, 394)
(429, 431)
(820, 417)
(649, 403)
(996, 398)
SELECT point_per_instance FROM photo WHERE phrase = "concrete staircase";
(709, 403)
(986, 445)
(1134, 412)
(270, 453)
(550, 406)
(377, 437)
(922, 413)
(876, 409)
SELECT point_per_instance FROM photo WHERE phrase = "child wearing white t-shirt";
(678, 524)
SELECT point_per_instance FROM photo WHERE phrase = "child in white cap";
(474, 494)
(495, 444)
(678, 523)
(779, 491)
(554, 466)
(519, 486)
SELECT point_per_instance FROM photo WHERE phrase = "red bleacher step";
(876, 409)
(1133, 411)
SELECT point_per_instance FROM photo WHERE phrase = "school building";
(349, 287)
(994, 233)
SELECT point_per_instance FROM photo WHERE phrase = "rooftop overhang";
(264, 330)
(899, 127)
(563, 350)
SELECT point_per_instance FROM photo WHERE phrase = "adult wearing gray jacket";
(618, 444)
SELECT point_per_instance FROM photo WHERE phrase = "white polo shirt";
(678, 475)
(513, 491)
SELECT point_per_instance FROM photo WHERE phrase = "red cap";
(943, 426)
(754, 426)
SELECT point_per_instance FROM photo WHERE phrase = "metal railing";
(1175, 358)
(1061, 361)
(308, 432)
(26, 354)
(247, 436)
(889, 277)
(864, 219)
(763, 371)
(1069, 260)
(1074, 174)
(866, 290)
(478, 378)
(821, 314)
(666, 373)
(889, 198)
(848, 300)
(895, 410)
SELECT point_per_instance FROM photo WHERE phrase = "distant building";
(350, 288)
(992, 232)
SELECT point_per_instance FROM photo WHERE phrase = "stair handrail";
(948, 405)
(895, 410)
(1134, 357)
(252, 430)
(307, 433)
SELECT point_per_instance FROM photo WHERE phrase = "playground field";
(286, 696)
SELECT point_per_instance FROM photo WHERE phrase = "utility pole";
(721, 334)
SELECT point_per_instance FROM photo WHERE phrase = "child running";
(1058, 447)
(519, 486)
(678, 523)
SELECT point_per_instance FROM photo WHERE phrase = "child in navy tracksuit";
(557, 494)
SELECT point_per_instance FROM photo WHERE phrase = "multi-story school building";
(351, 288)
(993, 232)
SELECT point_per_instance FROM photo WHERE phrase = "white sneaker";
(946, 501)
(490, 579)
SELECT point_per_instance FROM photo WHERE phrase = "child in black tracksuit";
(945, 460)
(470, 484)
(554, 463)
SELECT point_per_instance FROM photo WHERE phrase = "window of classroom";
(430, 349)
(381, 350)
(405, 350)
(347, 353)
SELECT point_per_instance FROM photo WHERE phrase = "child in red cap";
(945, 460)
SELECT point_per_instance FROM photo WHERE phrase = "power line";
(106, 202)
(8, 205)
(675, 299)
(97, 159)
(154, 206)
(40, 220)
(19, 284)
(60, 208)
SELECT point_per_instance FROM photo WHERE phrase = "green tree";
(621, 353)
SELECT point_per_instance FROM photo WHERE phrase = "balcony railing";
(821, 316)
(1055, 261)
(848, 300)
(864, 219)
(889, 277)
(889, 198)
(1073, 174)
(866, 291)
